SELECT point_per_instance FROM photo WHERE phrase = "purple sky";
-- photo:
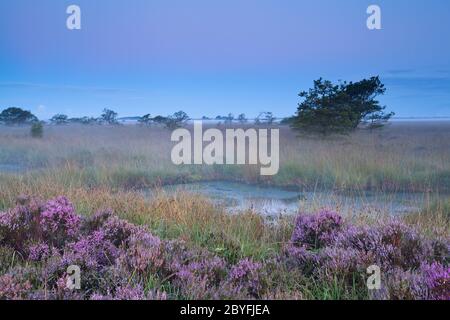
(216, 57)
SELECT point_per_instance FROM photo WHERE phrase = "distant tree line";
(18, 116)
(266, 118)
(178, 119)
(107, 116)
(327, 108)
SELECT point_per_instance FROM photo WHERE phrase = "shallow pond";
(272, 201)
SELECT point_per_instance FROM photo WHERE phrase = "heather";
(413, 266)
(324, 257)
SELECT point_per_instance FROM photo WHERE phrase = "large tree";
(15, 116)
(340, 108)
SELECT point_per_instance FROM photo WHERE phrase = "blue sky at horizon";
(215, 57)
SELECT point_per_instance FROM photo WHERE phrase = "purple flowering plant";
(119, 260)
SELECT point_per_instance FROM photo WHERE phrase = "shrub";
(59, 221)
(316, 231)
(37, 130)
(413, 267)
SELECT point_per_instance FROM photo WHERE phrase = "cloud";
(41, 111)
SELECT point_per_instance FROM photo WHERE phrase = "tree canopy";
(340, 108)
(242, 119)
(15, 116)
(176, 120)
(108, 116)
(59, 119)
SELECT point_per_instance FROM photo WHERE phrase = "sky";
(218, 57)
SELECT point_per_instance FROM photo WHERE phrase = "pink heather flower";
(130, 293)
(244, 268)
(38, 252)
(342, 263)
(100, 297)
(93, 251)
(58, 216)
(437, 280)
(117, 230)
(316, 231)
(157, 295)
(20, 224)
(210, 268)
(245, 276)
(9, 220)
(144, 251)
(12, 288)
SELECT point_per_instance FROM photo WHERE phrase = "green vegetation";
(37, 130)
(108, 117)
(341, 108)
(17, 116)
(59, 119)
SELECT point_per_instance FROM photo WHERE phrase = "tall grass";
(402, 157)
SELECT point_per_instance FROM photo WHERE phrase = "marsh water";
(274, 201)
(271, 201)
